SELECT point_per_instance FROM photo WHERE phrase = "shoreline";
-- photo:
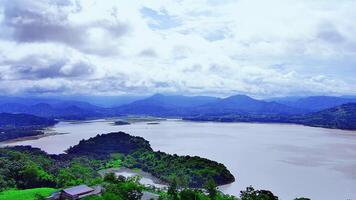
(138, 172)
(29, 138)
(277, 123)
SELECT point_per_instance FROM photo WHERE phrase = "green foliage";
(24, 170)
(110, 178)
(211, 188)
(29, 194)
(192, 171)
(173, 189)
(115, 160)
(189, 194)
(102, 146)
(79, 172)
(120, 188)
(25, 167)
(33, 176)
(251, 194)
(126, 190)
(210, 193)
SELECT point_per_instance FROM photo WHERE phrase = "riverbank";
(29, 138)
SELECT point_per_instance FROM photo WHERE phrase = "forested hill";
(137, 153)
(103, 145)
(8, 120)
(339, 117)
(14, 126)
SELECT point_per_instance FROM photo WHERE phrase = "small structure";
(75, 193)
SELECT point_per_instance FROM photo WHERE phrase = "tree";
(125, 190)
(33, 176)
(189, 194)
(40, 197)
(211, 188)
(173, 189)
(251, 194)
(110, 177)
(79, 172)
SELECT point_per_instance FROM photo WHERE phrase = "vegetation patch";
(29, 194)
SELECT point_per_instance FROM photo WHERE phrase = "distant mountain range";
(162, 105)
(98, 101)
(233, 108)
(51, 108)
(315, 103)
(242, 104)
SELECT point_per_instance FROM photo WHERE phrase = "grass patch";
(29, 194)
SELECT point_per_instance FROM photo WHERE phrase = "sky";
(262, 48)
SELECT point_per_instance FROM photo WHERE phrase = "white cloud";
(260, 48)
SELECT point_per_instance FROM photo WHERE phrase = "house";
(75, 193)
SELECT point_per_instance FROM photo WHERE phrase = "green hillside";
(29, 194)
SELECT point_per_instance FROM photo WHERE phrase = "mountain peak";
(240, 98)
(157, 95)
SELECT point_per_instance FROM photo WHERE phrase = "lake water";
(290, 160)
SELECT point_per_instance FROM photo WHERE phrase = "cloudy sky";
(262, 48)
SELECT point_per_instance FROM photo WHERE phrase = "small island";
(153, 123)
(121, 123)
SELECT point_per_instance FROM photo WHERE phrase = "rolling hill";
(14, 126)
(339, 117)
(23, 120)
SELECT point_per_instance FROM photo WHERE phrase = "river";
(290, 160)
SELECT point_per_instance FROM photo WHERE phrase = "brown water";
(290, 160)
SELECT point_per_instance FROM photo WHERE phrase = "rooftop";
(78, 190)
